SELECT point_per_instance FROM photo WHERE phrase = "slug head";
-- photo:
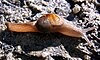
(49, 23)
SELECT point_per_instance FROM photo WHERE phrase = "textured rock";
(17, 46)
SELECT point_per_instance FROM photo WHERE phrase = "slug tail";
(19, 27)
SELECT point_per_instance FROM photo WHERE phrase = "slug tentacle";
(87, 40)
(88, 29)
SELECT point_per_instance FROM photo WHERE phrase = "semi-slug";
(50, 23)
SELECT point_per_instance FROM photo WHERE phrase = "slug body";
(70, 30)
(54, 23)
(50, 23)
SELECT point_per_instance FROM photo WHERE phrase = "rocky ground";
(49, 46)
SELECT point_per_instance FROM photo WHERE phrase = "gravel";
(54, 46)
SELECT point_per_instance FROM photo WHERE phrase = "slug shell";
(49, 23)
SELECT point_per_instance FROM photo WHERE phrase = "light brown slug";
(50, 23)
